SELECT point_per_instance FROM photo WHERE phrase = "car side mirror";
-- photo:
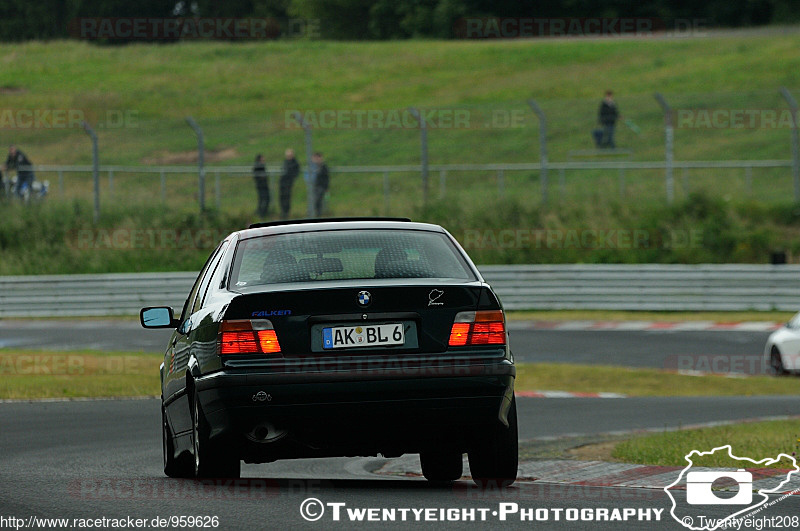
(158, 317)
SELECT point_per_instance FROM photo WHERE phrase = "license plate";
(383, 335)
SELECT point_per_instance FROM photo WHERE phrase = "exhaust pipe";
(266, 432)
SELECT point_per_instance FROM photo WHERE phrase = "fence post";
(200, 162)
(61, 182)
(442, 183)
(110, 182)
(163, 187)
(542, 146)
(795, 142)
(312, 176)
(423, 138)
(668, 146)
(95, 170)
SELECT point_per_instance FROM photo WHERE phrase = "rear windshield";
(347, 254)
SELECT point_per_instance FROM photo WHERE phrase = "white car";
(782, 350)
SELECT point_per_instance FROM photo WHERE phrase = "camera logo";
(699, 488)
(720, 479)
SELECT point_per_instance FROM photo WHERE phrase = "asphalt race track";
(102, 458)
(656, 348)
(95, 459)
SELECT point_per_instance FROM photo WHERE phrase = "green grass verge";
(30, 374)
(755, 440)
(645, 382)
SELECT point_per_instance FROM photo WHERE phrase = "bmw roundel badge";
(364, 298)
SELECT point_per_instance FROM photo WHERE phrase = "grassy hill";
(240, 94)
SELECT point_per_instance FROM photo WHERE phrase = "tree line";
(22, 20)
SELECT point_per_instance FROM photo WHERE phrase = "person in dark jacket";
(608, 116)
(19, 161)
(262, 186)
(291, 169)
(321, 182)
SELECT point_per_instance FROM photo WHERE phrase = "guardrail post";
(311, 182)
(217, 195)
(669, 135)
(748, 180)
(95, 170)
(386, 190)
(423, 139)
(542, 146)
(795, 142)
(686, 180)
(200, 162)
(501, 183)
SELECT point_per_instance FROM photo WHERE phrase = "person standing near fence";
(19, 161)
(321, 182)
(262, 186)
(291, 169)
(608, 116)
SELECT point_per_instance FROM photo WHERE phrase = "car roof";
(330, 224)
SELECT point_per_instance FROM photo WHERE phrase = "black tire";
(494, 457)
(776, 362)
(209, 463)
(180, 467)
(441, 466)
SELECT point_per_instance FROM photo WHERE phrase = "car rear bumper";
(358, 412)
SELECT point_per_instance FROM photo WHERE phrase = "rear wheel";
(493, 459)
(173, 467)
(209, 463)
(776, 362)
(441, 466)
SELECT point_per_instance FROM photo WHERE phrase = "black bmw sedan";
(339, 337)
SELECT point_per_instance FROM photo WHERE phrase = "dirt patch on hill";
(190, 157)
(6, 90)
(594, 452)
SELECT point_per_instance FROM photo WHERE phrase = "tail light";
(478, 328)
(244, 336)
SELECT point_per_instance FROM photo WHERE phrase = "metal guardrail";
(520, 287)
